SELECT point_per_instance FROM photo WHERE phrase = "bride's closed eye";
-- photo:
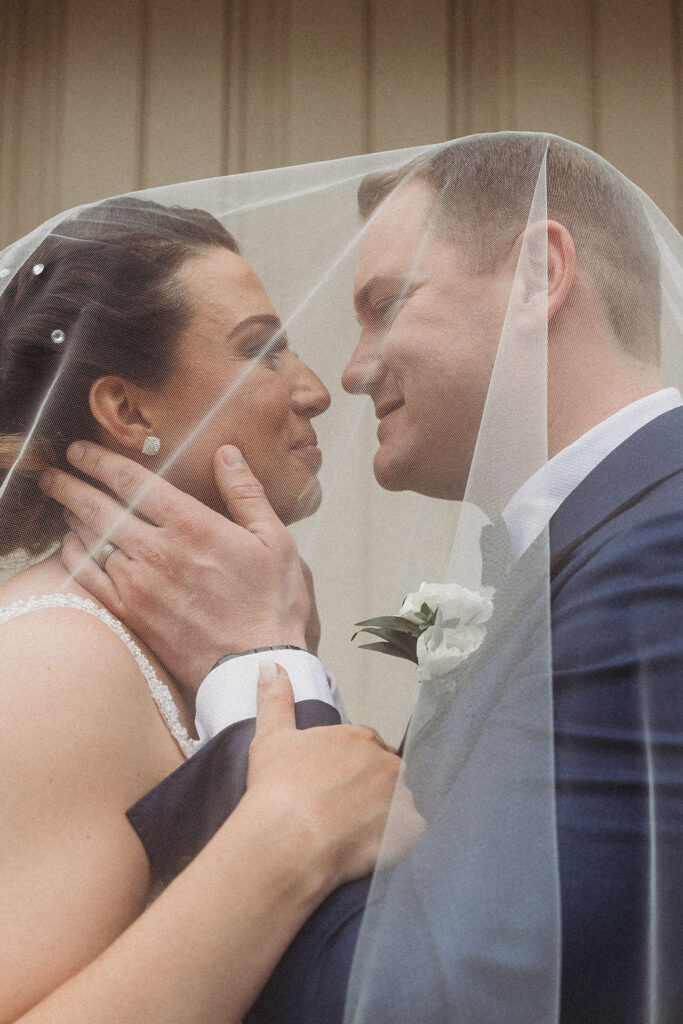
(269, 350)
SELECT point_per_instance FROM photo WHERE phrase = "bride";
(137, 321)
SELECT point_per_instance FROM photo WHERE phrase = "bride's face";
(243, 390)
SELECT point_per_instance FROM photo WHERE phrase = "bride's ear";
(121, 410)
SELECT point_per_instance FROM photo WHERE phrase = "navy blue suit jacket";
(617, 633)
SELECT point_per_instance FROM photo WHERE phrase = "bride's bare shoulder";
(66, 675)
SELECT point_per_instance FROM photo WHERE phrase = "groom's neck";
(591, 377)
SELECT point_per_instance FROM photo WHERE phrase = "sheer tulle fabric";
(467, 926)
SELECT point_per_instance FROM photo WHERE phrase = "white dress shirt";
(228, 694)
(537, 500)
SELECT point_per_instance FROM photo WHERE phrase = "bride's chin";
(303, 505)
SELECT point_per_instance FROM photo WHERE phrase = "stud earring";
(151, 446)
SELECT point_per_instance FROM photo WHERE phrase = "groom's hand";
(191, 583)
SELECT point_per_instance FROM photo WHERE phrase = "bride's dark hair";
(106, 281)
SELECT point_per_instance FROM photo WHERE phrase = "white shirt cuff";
(228, 694)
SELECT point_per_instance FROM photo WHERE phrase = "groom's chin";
(393, 474)
(389, 473)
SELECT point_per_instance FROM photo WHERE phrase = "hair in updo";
(109, 283)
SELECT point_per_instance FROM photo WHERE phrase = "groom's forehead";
(394, 237)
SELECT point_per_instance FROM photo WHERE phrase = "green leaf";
(388, 649)
(426, 615)
(384, 634)
(395, 622)
(399, 640)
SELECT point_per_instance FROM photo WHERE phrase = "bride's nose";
(309, 396)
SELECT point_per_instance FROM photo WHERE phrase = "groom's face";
(429, 332)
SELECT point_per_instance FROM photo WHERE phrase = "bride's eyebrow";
(262, 319)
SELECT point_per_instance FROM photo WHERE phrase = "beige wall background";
(102, 97)
(99, 98)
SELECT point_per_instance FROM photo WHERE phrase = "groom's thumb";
(274, 699)
(244, 497)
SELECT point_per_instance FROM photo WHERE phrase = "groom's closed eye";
(380, 301)
(385, 312)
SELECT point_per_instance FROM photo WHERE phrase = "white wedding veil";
(469, 925)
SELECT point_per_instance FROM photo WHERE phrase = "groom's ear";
(120, 409)
(561, 265)
(544, 261)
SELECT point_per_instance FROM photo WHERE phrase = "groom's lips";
(383, 412)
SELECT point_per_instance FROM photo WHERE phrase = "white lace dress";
(159, 690)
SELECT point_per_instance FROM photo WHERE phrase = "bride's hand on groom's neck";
(192, 584)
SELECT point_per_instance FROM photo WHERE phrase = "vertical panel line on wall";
(15, 161)
(286, 86)
(58, 108)
(369, 56)
(594, 23)
(451, 74)
(235, 56)
(511, 104)
(465, 76)
(144, 28)
(677, 41)
(243, 85)
(225, 86)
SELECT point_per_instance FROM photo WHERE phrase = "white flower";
(440, 650)
(471, 607)
(458, 629)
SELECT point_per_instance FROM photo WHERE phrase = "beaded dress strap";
(159, 690)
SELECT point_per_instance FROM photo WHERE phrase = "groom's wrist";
(228, 693)
(256, 650)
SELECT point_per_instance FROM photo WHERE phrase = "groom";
(612, 493)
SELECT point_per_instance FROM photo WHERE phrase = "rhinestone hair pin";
(38, 268)
(58, 336)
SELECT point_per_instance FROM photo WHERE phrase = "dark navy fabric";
(617, 632)
(617, 616)
(176, 819)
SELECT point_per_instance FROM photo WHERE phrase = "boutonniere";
(437, 627)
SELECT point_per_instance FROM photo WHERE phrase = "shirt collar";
(537, 500)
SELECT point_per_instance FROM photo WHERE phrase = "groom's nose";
(364, 370)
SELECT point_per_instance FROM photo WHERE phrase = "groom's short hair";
(484, 189)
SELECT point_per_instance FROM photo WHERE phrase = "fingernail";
(232, 456)
(75, 451)
(267, 674)
(45, 480)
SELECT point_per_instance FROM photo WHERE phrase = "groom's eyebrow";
(262, 319)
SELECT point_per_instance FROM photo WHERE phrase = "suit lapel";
(642, 461)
